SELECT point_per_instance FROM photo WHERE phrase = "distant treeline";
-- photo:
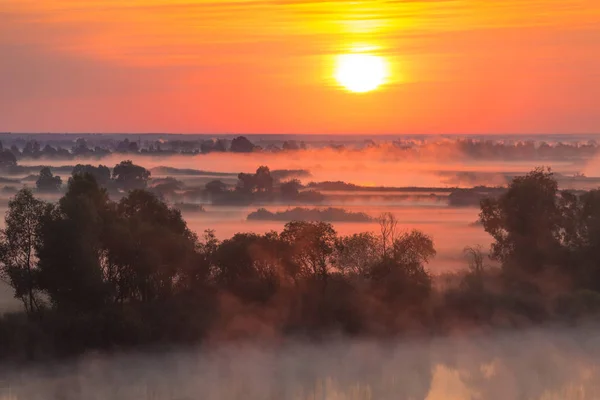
(97, 147)
(329, 214)
(95, 274)
(262, 187)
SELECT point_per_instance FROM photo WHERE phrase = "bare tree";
(388, 225)
(474, 279)
(475, 256)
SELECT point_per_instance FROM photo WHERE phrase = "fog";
(451, 228)
(532, 364)
(370, 167)
(416, 188)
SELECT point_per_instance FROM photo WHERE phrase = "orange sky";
(265, 66)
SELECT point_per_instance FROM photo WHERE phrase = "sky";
(267, 66)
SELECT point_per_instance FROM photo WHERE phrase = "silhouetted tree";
(290, 145)
(388, 227)
(31, 149)
(402, 276)
(80, 147)
(15, 150)
(215, 187)
(151, 245)
(355, 254)
(312, 247)
(290, 189)
(263, 179)
(49, 151)
(241, 145)
(246, 183)
(47, 182)
(7, 159)
(526, 224)
(129, 176)
(101, 173)
(248, 266)
(71, 252)
(18, 240)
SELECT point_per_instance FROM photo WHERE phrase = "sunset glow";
(268, 67)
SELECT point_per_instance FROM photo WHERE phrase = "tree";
(215, 187)
(312, 246)
(31, 149)
(49, 151)
(388, 226)
(101, 173)
(263, 179)
(414, 247)
(290, 189)
(72, 264)
(129, 176)
(401, 275)
(248, 265)
(527, 224)
(80, 147)
(127, 146)
(18, 240)
(246, 183)
(47, 182)
(151, 247)
(7, 159)
(355, 254)
(582, 236)
(241, 144)
(290, 145)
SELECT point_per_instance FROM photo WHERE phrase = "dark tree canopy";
(18, 241)
(290, 189)
(47, 182)
(99, 274)
(526, 223)
(129, 176)
(101, 173)
(259, 182)
(241, 144)
(7, 158)
(215, 187)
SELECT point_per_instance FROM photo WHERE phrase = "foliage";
(18, 240)
(93, 273)
(241, 144)
(101, 173)
(47, 182)
(129, 176)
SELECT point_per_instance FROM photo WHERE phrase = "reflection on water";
(540, 364)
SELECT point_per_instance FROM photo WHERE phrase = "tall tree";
(71, 247)
(527, 224)
(151, 247)
(18, 240)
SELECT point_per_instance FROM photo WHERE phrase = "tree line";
(93, 273)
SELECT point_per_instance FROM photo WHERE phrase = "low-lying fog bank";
(534, 364)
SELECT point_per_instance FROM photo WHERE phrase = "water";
(539, 364)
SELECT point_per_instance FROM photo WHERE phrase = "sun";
(360, 73)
